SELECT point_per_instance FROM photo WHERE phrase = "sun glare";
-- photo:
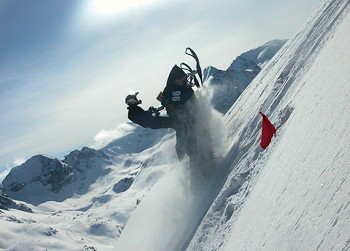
(94, 14)
(107, 8)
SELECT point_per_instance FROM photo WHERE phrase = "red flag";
(268, 130)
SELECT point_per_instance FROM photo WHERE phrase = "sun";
(92, 14)
(106, 8)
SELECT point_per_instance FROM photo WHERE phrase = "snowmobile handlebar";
(190, 78)
(155, 111)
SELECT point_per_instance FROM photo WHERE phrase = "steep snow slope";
(295, 195)
(302, 197)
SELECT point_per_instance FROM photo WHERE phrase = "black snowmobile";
(178, 99)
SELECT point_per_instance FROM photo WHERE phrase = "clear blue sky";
(66, 65)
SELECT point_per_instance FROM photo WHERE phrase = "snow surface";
(297, 195)
(292, 196)
(305, 204)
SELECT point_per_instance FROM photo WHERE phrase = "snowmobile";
(180, 103)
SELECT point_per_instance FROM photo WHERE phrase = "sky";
(67, 65)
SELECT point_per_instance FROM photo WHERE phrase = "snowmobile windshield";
(176, 91)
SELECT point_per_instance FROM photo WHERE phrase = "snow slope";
(305, 203)
(296, 196)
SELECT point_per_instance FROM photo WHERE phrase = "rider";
(176, 98)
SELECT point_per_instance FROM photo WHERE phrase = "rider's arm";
(145, 118)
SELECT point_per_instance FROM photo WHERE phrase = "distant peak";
(243, 64)
(275, 42)
(262, 54)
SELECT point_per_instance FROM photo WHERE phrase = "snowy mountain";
(228, 85)
(83, 201)
(263, 54)
(43, 178)
(133, 194)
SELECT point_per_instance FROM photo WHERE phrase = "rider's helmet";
(131, 99)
